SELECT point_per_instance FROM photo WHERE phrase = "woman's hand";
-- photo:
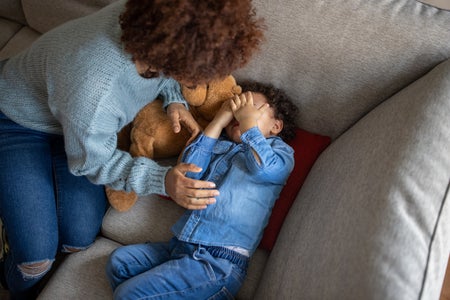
(186, 192)
(178, 113)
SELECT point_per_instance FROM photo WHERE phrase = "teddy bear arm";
(123, 138)
(142, 144)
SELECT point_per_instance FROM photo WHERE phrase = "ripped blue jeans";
(44, 208)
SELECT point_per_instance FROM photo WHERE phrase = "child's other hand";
(225, 114)
(221, 119)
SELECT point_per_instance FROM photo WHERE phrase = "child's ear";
(277, 127)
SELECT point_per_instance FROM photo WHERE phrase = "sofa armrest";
(372, 220)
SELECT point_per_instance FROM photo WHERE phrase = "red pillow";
(307, 147)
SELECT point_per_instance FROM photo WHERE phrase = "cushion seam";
(432, 240)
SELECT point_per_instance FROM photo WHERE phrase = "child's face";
(267, 123)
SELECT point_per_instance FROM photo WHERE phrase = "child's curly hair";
(284, 108)
(191, 40)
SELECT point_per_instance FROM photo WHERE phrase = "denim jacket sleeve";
(199, 152)
(275, 156)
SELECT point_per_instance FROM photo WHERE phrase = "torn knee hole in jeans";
(70, 249)
(35, 269)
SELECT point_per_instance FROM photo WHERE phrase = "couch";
(372, 219)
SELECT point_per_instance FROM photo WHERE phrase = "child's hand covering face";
(244, 109)
(250, 110)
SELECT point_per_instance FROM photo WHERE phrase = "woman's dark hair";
(191, 40)
(284, 108)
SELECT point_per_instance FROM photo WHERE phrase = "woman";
(63, 100)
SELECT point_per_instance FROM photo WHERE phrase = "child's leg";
(128, 261)
(197, 275)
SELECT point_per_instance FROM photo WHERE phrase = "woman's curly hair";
(191, 40)
(284, 108)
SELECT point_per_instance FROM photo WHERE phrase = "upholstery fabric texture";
(21, 40)
(44, 15)
(340, 59)
(379, 195)
(12, 10)
(94, 285)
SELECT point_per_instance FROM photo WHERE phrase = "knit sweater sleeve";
(101, 162)
(91, 147)
(171, 93)
(90, 129)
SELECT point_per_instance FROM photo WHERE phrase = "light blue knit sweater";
(77, 80)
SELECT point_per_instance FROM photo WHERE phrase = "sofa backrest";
(339, 59)
(12, 10)
(44, 15)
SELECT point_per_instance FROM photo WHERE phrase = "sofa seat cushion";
(82, 275)
(150, 219)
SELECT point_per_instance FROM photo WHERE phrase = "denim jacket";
(248, 189)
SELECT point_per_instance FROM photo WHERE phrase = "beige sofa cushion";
(82, 275)
(12, 10)
(340, 59)
(9, 28)
(372, 220)
(21, 40)
(44, 15)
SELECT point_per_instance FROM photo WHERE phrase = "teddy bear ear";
(195, 96)
(237, 89)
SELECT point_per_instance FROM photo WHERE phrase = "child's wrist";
(246, 124)
(218, 123)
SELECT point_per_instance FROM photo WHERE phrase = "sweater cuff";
(149, 177)
(171, 93)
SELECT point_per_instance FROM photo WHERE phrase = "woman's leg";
(81, 204)
(27, 205)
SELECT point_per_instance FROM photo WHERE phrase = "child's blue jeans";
(44, 208)
(175, 270)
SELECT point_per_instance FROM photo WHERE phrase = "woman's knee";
(73, 249)
(33, 270)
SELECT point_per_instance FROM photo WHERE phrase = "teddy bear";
(151, 134)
